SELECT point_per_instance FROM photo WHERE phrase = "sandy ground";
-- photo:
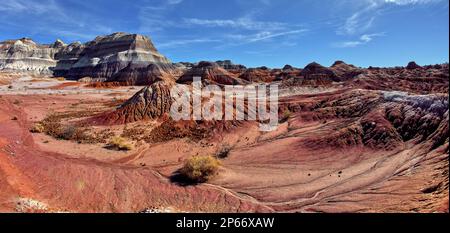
(264, 172)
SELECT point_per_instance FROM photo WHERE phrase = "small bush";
(68, 133)
(61, 79)
(200, 168)
(119, 143)
(224, 151)
(37, 128)
(286, 116)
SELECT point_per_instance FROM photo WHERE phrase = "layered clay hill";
(106, 58)
(350, 139)
(210, 73)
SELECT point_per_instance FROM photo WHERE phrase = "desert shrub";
(69, 133)
(63, 132)
(135, 133)
(119, 143)
(37, 128)
(224, 151)
(286, 116)
(61, 79)
(200, 168)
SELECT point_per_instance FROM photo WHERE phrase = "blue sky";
(251, 32)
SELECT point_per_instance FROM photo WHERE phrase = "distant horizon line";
(232, 60)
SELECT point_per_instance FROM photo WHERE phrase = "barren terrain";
(350, 145)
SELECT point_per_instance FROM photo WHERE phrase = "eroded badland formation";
(350, 139)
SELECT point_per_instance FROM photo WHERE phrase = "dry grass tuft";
(200, 169)
(120, 143)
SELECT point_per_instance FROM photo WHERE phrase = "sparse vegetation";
(61, 79)
(286, 116)
(120, 143)
(37, 128)
(200, 169)
(224, 151)
(134, 133)
(52, 127)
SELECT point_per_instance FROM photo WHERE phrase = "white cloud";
(178, 43)
(240, 23)
(363, 17)
(30, 7)
(409, 2)
(362, 40)
(174, 2)
(269, 35)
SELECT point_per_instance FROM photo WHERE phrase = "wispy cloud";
(247, 29)
(51, 17)
(174, 2)
(240, 23)
(31, 7)
(362, 40)
(178, 43)
(409, 2)
(264, 35)
(364, 16)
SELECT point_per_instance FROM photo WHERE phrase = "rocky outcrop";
(315, 71)
(103, 57)
(107, 55)
(412, 66)
(288, 67)
(345, 71)
(210, 73)
(428, 80)
(145, 76)
(255, 75)
(377, 119)
(24, 55)
(229, 65)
